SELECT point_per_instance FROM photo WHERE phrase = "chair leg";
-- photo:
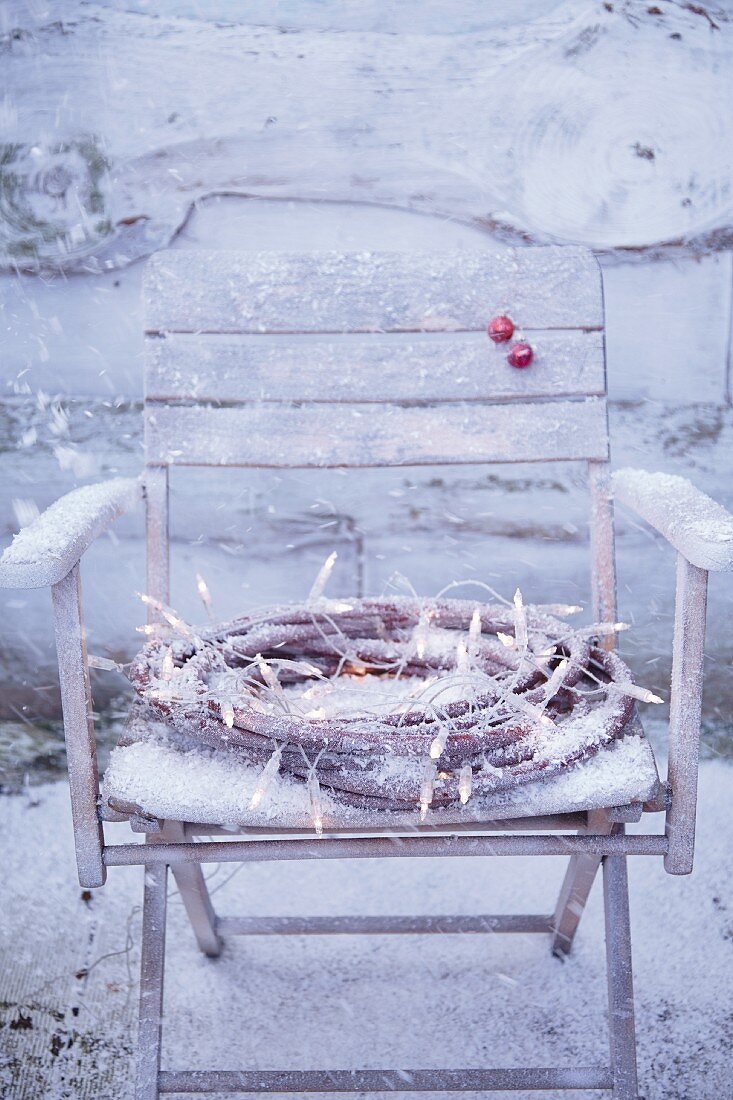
(620, 979)
(152, 966)
(576, 887)
(195, 896)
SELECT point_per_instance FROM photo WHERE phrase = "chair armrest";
(43, 552)
(700, 529)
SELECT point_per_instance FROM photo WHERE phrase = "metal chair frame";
(180, 289)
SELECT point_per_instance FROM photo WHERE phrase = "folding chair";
(330, 360)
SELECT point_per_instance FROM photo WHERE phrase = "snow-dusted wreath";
(464, 699)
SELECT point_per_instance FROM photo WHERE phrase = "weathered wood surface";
(46, 550)
(81, 749)
(602, 546)
(157, 537)
(696, 525)
(435, 367)
(257, 292)
(152, 972)
(621, 1030)
(322, 435)
(667, 322)
(611, 130)
(365, 1081)
(685, 711)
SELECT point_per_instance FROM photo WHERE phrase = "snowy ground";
(68, 996)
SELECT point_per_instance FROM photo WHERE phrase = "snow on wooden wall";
(304, 125)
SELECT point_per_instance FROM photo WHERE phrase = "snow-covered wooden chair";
(248, 365)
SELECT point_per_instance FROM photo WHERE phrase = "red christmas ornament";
(500, 329)
(520, 356)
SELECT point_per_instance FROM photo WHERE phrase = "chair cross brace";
(264, 851)
(384, 1080)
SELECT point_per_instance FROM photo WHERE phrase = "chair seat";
(160, 773)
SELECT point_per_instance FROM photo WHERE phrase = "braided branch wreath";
(463, 700)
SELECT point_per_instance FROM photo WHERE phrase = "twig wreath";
(393, 703)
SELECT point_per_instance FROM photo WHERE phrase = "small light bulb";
(474, 630)
(426, 788)
(322, 578)
(465, 782)
(168, 667)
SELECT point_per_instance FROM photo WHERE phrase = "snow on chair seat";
(391, 703)
(158, 773)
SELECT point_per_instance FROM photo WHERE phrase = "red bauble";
(520, 356)
(500, 329)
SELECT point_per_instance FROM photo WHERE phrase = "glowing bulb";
(314, 792)
(647, 696)
(322, 578)
(168, 667)
(505, 639)
(227, 713)
(204, 593)
(465, 782)
(270, 770)
(438, 744)
(520, 621)
(474, 631)
(420, 633)
(462, 663)
(267, 673)
(555, 682)
(640, 693)
(426, 788)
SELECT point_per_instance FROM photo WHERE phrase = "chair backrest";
(274, 359)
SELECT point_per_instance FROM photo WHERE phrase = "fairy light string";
(391, 702)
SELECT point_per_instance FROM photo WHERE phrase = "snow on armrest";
(44, 551)
(694, 524)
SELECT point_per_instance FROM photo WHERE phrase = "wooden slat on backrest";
(261, 292)
(376, 367)
(323, 434)
(261, 333)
